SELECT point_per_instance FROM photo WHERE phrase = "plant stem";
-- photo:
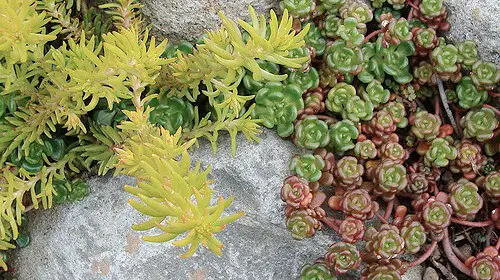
(388, 209)
(447, 109)
(382, 219)
(494, 94)
(331, 222)
(371, 35)
(471, 224)
(413, 6)
(436, 105)
(425, 256)
(452, 257)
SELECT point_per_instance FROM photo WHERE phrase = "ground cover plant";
(399, 127)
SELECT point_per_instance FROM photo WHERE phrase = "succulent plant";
(349, 32)
(390, 177)
(425, 40)
(316, 271)
(342, 135)
(311, 133)
(295, 192)
(376, 93)
(436, 216)
(485, 265)
(398, 30)
(342, 257)
(327, 170)
(385, 272)
(352, 230)
(338, 97)
(277, 105)
(467, 54)
(479, 124)
(343, 59)
(446, 58)
(358, 10)
(356, 109)
(425, 125)
(465, 199)
(381, 124)
(315, 40)
(307, 166)
(171, 49)
(358, 204)
(79, 190)
(414, 236)
(365, 149)
(305, 80)
(385, 243)
(392, 60)
(298, 8)
(172, 113)
(254, 86)
(469, 159)
(330, 25)
(61, 189)
(468, 95)
(492, 185)
(331, 6)
(417, 183)
(485, 74)
(393, 152)
(423, 74)
(301, 224)
(440, 153)
(314, 102)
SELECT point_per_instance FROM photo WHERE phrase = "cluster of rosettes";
(400, 127)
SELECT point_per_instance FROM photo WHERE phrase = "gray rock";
(187, 20)
(92, 239)
(476, 20)
(430, 274)
(414, 273)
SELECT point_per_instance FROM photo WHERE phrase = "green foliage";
(307, 166)
(311, 133)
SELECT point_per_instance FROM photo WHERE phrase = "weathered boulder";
(92, 239)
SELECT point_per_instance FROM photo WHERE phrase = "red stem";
(382, 219)
(388, 209)
(331, 223)
(459, 253)
(471, 224)
(494, 94)
(492, 108)
(437, 108)
(452, 257)
(410, 15)
(371, 35)
(425, 256)
(498, 244)
(413, 6)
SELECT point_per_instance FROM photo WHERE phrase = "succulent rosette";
(467, 53)
(327, 170)
(314, 39)
(492, 185)
(305, 80)
(465, 199)
(479, 124)
(425, 40)
(349, 32)
(253, 86)
(394, 152)
(298, 8)
(330, 25)
(343, 59)
(295, 192)
(485, 265)
(399, 31)
(383, 272)
(431, 8)
(425, 125)
(381, 124)
(468, 95)
(445, 57)
(330, 5)
(301, 224)
(390, 177)
(358, 10)
(417, 183)
(436, 216)
(414, 236)
(485, 74)
(316, 271)
(351, 230)
(338, 97)
(342, 257)
(348, 173)
(423, 73)
(311, 133)
(398, 113)
(440, 153)
(358, 204)
(307, 166)
(356, 109)
(342, 135)
(385, 243)
(365, 149)
(314, 102)
(376, 93)
(469, 159)
(79, 190)
(172, 113)
(277, 105)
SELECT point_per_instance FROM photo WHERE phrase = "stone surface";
(430, 274)
(92, 239)
(476, 20)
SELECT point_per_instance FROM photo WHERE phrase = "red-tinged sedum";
(413, 233)
(390, 177)
(352, 230)
(385, 243)
(469, 159)
(348, 173)
(302, 224)
(358, 204)
(435, 213)
(295, 192)
(465, 199)
(342, 257)
(391, 271)
(485, 265)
